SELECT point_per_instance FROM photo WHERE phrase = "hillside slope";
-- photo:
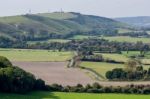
(53, 25)
(143, 21)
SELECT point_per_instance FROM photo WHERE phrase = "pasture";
(81, 37)
(124, 56)
(59, 95)
(101, 67)
(127, 39)
(35, 55)
(49, 41)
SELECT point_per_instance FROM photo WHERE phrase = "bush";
(4, 62)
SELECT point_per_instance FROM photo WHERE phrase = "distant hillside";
(143, 21)
(53, 25)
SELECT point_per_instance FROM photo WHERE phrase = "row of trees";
(100, 45)
(97, 88)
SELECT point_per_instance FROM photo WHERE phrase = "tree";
(132, 64)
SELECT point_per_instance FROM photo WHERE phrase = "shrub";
(4, 62)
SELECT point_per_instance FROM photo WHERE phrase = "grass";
(35, 55)
(58, 95)
(124, 57)
(58, 15)
(116, 57)
(81, 37)
(127, 39)
(124, 31)
(49, 41)
(102, 67)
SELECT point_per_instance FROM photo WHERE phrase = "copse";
(16, 80)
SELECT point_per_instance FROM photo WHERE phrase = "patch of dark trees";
(16, 80)
(89, 56)
(135, 34)
(99, 45)
(97, 88)
(120, 74)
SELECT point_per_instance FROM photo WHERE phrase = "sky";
(106, 8)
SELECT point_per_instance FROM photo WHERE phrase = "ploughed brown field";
(55, 72)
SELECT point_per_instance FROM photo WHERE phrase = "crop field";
(58, 95)
(35, 55)
(56, 72)
(127, 39)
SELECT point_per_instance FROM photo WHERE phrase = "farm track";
(57, 72)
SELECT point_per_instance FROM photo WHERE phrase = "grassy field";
(102, 67)
(124, 31)
(124, 57)
(49, 41)
(35, 55)
(127, 39)
(57, 95)
(116, 57)
(81, 37)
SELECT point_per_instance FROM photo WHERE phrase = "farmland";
(124, 56)
(127, 39)
(102, 67)
(57, 95)
(56, 72)
(35, 55)
(49, 41)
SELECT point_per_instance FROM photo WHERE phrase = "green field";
(58, 15)
(127, 39)
(35, 55)
(124, 57)
(58, 95)
(124, 31)
(81, 37)
(101, 67)
(49, 41)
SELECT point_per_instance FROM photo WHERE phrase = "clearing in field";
(35, 55)
(58, 95)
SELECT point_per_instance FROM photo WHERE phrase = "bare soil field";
(55, 72)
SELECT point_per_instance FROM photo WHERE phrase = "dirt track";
(57, 72)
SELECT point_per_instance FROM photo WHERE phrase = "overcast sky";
(107, 8)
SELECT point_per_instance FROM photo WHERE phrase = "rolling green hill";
(141, 21)
(52, 25)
